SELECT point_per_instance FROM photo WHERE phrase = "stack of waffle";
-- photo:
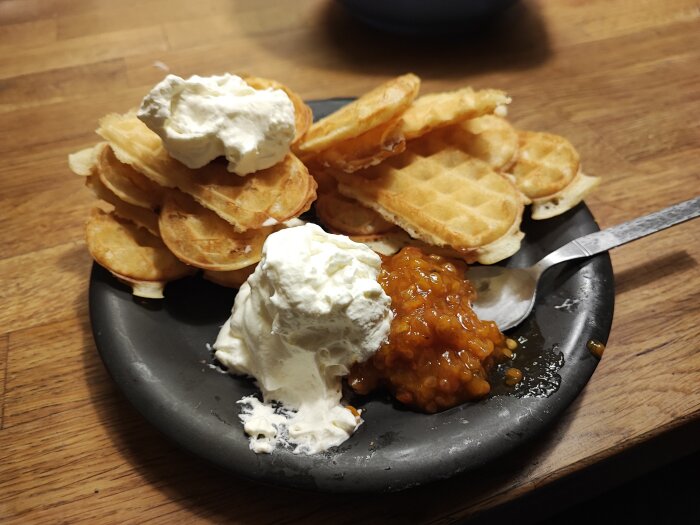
(168, 220)
(444, 171)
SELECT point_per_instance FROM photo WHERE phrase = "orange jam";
(438, 352)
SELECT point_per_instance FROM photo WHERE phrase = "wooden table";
(619, 78)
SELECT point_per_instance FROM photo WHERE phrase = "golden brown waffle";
(380, 105)
(231, 279)
(202, 239)
(547, 171)
(564, 200)
(303, 117)
(545, 164)
(443, 196)
(263, 198)
(391, 242)
(365, 150)
(142, 217)
(489, 138)
(348, 217)
(436, 110)
(83, 162)
(125, 182)
(132, 254)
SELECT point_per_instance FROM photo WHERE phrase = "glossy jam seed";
(513, 376)
(596, 348)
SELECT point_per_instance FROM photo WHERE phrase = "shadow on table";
(651, 270)
(334, 40)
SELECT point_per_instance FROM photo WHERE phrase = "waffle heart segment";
(440, 194)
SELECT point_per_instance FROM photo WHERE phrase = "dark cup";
(425, 16)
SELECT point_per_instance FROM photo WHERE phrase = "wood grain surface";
(619, 78)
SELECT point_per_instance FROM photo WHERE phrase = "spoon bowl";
(497, 286)
(507, 295)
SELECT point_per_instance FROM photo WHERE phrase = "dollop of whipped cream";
(310, 310)
(202, 118)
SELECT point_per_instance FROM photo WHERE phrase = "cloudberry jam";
(438, 352)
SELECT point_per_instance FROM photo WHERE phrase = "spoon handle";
(604, 240)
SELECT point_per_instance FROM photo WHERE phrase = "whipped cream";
(202, 118)
(310, 310)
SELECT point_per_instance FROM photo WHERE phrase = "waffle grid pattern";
(546, 164)
(440, 194)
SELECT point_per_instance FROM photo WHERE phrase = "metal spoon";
(507, 295)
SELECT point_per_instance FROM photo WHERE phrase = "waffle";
(547, 171)
(380, 105)
(365, 150)
(489, 138)
(545, 164)
(565, 199)
(125, 182)
(347, 216)
(83, 162)
(200, 238)
(140, 216)
(443, 196)
(436, 110)
(263, 198)
(303, 117)
(391, 242)
(132, 254)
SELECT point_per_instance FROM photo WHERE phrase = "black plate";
(157, 352)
